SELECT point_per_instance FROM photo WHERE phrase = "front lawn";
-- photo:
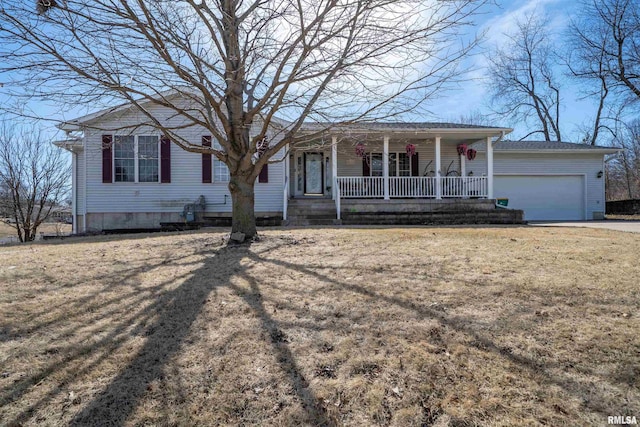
(408, 326)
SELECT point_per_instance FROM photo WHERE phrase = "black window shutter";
(165, 160)
(366, 169)
(264, 174)
(107, 155)
(206, 161)
(415, 171)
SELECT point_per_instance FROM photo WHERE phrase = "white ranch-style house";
(128, 176)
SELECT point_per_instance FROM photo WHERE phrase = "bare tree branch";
(522, 83)
(241, 70)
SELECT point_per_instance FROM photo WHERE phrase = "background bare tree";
(610, 29)
(604, 53)
(604, 42)
(240, 64)
(522, 82)
(34, 177)
(623, 171)
(589, 68)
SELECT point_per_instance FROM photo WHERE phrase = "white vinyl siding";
(186, 175)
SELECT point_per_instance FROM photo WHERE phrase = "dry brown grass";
(624, 217)
(411, 326)
(48, 228)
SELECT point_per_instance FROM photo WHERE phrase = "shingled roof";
(397, 126)
(544, 146)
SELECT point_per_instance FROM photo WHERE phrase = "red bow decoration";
(471, 154)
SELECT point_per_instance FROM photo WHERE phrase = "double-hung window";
(220, 169)
(136, 158)
(399, 164)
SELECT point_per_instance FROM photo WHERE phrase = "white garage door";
(543, 198)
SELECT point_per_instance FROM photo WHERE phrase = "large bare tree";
(522, 81)
(34, 178)
(242, 65)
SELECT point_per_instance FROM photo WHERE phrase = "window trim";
(136, 159)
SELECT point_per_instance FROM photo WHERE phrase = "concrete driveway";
(628, 226)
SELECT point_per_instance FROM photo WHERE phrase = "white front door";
(313, 173)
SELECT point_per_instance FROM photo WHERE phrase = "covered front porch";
(397, 165)
(407, 168)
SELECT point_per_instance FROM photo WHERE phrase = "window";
(220, 170)
(403, 164)
(399, 164)
(148, 159)
(376, 164)
(124, 158)
(136, 158)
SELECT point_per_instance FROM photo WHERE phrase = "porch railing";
(464, 186)
(357, 187)
(412, 186)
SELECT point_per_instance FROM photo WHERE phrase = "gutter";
(547, 151)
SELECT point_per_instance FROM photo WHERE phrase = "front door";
(313, 173)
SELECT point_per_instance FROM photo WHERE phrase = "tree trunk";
(243, 218)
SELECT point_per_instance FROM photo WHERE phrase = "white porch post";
(438, 169)
(463, 165)
(334, 165)
(74, 191)
(385, 166)
(490, 167)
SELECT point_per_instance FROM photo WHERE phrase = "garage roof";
(545, 146)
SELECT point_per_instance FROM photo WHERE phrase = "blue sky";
(496, 22)
(472, 95)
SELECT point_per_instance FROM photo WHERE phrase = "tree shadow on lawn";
(180, 308)
(584, 390)
(167, 321)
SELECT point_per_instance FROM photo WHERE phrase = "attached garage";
(544, 197)
(549, 181)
